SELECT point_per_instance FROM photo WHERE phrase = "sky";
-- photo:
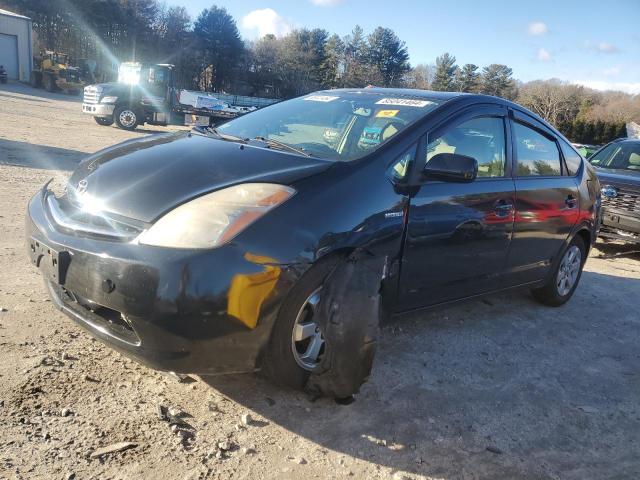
(593, 43)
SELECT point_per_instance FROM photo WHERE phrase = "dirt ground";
(498, 388)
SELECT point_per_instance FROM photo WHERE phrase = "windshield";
(624, 155)
(332, 125)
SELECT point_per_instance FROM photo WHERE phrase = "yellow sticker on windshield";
(387, 113)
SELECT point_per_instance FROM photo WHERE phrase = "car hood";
(144, 178)
(620, 177)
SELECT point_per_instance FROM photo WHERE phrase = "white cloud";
(265, 21)
(627, 87)
(602, 47)
(612, 72)
(537, 28)
(543, 55)
(326, 3)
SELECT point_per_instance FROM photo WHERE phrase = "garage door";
(9, 54)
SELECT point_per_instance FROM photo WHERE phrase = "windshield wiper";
(212, 131)
(275, 143)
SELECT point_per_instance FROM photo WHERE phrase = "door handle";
(503, 208)
(571, 201)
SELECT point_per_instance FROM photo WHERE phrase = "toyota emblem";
(82, 187)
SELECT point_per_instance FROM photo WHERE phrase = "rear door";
(458, 234)
(547, 204)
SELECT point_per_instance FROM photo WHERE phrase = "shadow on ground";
(614, 249)
(25, 89)
(38, 156)
(496, 388)
(18, 97)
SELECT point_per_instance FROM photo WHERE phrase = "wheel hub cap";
(307, 341)
(127, 118)
(569, 270)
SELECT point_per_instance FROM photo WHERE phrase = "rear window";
(537, 155)
(571, 158)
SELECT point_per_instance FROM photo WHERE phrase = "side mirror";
(451, 167)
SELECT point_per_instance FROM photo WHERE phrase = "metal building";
(15, 45)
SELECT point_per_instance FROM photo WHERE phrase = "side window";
(571, 158)
(481, 138)
(536, 154)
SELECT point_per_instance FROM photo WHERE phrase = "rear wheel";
(104, 121)
(126, 118)
(566, 276)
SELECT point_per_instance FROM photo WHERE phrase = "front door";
(547, 205)
(458, 234)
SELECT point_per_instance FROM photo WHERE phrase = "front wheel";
(104, 121)
(564, 281)
(297, 342)
(49, 83)
(126, 118)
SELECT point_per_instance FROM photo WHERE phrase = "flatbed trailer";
(147, 94)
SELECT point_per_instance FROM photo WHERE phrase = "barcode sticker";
(404, 102)
(321, 98)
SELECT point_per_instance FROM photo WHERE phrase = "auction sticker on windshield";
(387, 113)
(404, 102)
(321, 98)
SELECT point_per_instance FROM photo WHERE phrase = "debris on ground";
(246, 419)
(113, 448)
(161, 412)
(49, 361)
(180, 377)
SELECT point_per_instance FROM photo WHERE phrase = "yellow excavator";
(53, 72)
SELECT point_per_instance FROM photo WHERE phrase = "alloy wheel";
(307, 341)
(569, 270)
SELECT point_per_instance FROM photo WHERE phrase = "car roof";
(446, 97)
(402, 92)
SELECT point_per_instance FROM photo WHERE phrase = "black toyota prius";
(278, 240)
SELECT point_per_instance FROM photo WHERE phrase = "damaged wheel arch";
(346, 313)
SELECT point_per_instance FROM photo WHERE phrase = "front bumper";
(98, 109)
(204, 312)
(620, 226)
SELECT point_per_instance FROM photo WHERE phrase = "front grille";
(73, 219)
(625, 201)
(91, 95)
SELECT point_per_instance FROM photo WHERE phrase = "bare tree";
(421, 76)
(553, 100)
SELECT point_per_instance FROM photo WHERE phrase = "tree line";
(209, 54)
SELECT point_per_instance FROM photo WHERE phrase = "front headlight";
(214, 219)
(108, 99)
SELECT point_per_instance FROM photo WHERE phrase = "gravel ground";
(495, 388)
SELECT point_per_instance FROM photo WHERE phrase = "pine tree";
(444, 79)
(497, 80)
(468, 79)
